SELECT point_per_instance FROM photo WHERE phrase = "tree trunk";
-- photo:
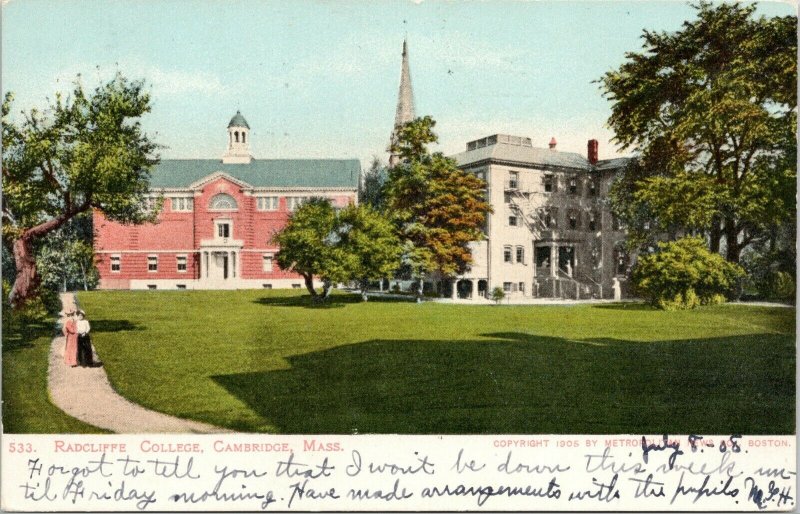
(27, 281)
(715, 235)
(83, 275)
(732, 241)
(309, 280)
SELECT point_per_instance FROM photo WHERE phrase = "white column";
(454, 292)
(474, 288)
(553, 260)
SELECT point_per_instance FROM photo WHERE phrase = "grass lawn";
(266, 361)
(26, 405)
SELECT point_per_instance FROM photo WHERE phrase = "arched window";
(244, 137)
(223, 202)
(236, 135)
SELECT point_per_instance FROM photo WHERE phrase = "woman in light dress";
(70, 331)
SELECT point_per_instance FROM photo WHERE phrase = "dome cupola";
(238, 151)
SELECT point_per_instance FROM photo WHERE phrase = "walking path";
(86, 394)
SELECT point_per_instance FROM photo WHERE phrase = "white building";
(551, 233)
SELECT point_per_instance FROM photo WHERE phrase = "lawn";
(26, 405)
(266, 361)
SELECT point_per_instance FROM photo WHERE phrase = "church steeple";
(405, 103)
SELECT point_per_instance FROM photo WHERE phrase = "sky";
(319, 79)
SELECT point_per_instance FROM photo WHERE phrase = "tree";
(683, 273)
(372, 185)
(86, 151)
(438, 209)
(711, 111)
(369, 242)
(498, 294)
(65, 258)
(310, 246)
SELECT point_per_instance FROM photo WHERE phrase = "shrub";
(684, 274)
(783, 287)
(498, 294)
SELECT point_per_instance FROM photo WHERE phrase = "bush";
(783, 286)
(498, 294)
(683, 274)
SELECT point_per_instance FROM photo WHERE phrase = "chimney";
(552, 144)
(592, 151)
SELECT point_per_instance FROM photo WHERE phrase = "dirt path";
(86, 394)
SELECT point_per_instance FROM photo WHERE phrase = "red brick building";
(217, 220)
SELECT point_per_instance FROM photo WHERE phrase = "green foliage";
(711, 111)
(309, 245)
(784, 286)
(85, 151)
(684, 274)
(370, 247)
(498, 294)
(437, 208)
(372, 185)
(65, 258)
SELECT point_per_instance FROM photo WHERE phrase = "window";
(593, 187)
(152, 286)
(542, 256)
(295, 286)
(573, 186)
(512, 221)
(267, 262)
(521, 287)
(223, 202)
(513, 179)
(180, 204)
(115, 263)
(507, 254)
(481, 175)
(152, 263)
(266, 286)
(293, 202)
(521, 254)
(267, 203)
(181, 261)
(224, 230)
(507, 287)
(549, 183)
(236, 135)
(180, 286)
(592, 222)
(574, 220)
(506, 198)
(550, 217)
(244, 137)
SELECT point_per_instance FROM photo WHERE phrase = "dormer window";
(236, 136)
(244, 134)
(223, 202)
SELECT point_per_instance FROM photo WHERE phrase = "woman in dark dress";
(85, 358)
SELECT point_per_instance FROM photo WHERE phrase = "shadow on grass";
(336, 300)
(626, 306)
(519, 383)
(113, 325)
(21, 334)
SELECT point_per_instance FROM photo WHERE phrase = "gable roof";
(322, 173)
